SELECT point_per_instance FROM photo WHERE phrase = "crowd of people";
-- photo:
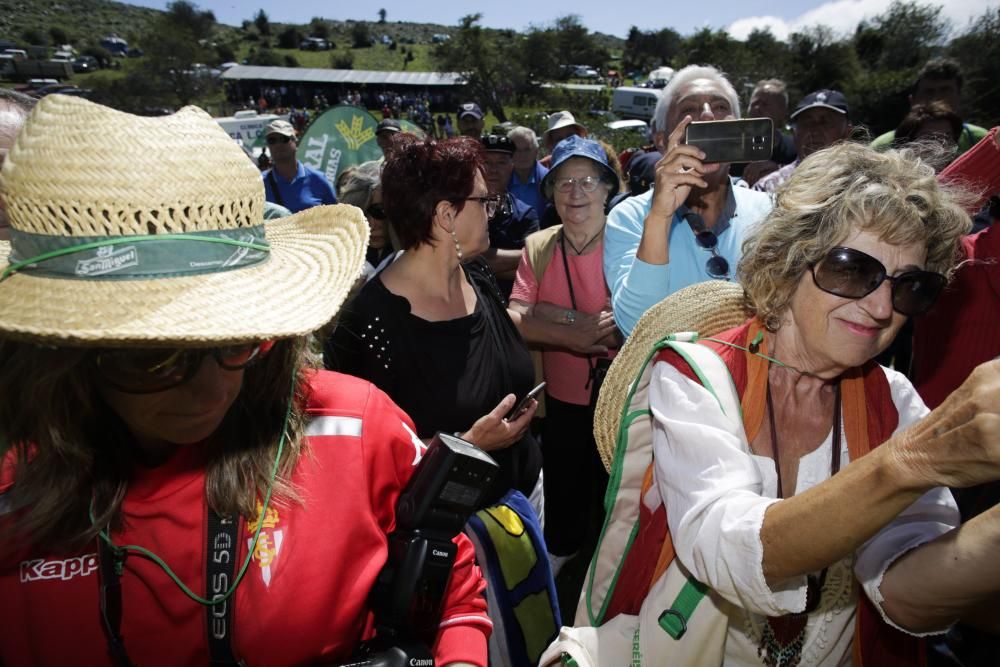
(217, 381)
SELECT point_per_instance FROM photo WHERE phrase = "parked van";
(633, 102)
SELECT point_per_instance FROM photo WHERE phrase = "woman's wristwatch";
(569, 317)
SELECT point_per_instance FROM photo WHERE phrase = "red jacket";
(303, 599)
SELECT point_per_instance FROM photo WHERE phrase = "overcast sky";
(782, 16)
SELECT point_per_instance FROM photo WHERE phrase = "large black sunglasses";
(376, 211)
(852, 274)
(151, 371)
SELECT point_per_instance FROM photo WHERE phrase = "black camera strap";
(221, 549)
(220, 564)
(274, 188)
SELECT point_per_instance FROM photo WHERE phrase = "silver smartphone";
(746, 140)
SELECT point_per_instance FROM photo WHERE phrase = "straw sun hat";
(164, 219)
(707, 308)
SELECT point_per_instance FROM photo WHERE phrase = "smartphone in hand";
(523, 404)
(746, 140)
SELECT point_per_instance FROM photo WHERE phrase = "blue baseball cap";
(577, 146)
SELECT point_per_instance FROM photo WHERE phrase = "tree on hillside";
(360, 36)
(978, 50)
(166, 76)
(491, 74)
(575, 45)
(184, 15)
(537, 51)
(289, 38)
(262, 22)
(904, 37)
(381, 15)
(818, 61)
(647, 50)
(59, 36)
(319, 28)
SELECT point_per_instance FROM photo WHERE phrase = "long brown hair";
(70, 452)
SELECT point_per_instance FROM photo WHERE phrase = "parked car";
(584, 72)
(314, 44)
(631, 126)
(634, 102)
(85, 64)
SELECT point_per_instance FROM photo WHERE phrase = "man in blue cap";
(820, 120)
(514, 219)
(471, 120)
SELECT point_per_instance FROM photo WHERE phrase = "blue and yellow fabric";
(521, 592)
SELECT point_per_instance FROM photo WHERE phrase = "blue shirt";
(309, 188)
(635, 285)
(530, 191)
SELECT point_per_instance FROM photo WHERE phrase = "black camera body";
(446, 488)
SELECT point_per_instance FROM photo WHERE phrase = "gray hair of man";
(18, 100)
(682, 79)
(521, 132)
(777, 87)
(359, 185)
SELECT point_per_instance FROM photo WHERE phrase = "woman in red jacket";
(177, 487)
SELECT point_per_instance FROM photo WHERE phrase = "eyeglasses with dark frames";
(277, 139)
(155, 370)
(491, 204)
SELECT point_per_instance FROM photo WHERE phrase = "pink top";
(566, 372)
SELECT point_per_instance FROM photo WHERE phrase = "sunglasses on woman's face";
(151, 371)
(375, 211)
(852, 274)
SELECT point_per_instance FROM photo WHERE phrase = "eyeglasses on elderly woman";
(155, 370)
(852, 274)
(587, 184)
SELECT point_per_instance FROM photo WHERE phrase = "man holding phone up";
(690, 226)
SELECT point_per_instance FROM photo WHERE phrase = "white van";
(633, 102)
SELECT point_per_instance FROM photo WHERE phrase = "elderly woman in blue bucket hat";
(561, 304)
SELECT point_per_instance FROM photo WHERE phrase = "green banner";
(342, 137)
(412, 128)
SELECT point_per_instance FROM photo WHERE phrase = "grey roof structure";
(350, 76)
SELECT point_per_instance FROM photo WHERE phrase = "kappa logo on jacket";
(39, 569)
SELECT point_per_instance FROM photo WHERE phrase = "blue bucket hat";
(576, 146)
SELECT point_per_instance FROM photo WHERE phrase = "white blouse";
(716, 493)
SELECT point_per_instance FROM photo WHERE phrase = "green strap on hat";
(135, 257)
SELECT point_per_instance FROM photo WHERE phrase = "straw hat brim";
(316, 255)
(707, 308)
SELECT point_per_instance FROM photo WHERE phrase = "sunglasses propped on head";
(852, 274)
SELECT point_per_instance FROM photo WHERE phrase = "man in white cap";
(288, 182)
(562, 125)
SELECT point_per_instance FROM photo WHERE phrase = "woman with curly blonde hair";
(835, 474)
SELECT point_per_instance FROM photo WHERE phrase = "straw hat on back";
(707, 308)
(144, 232)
